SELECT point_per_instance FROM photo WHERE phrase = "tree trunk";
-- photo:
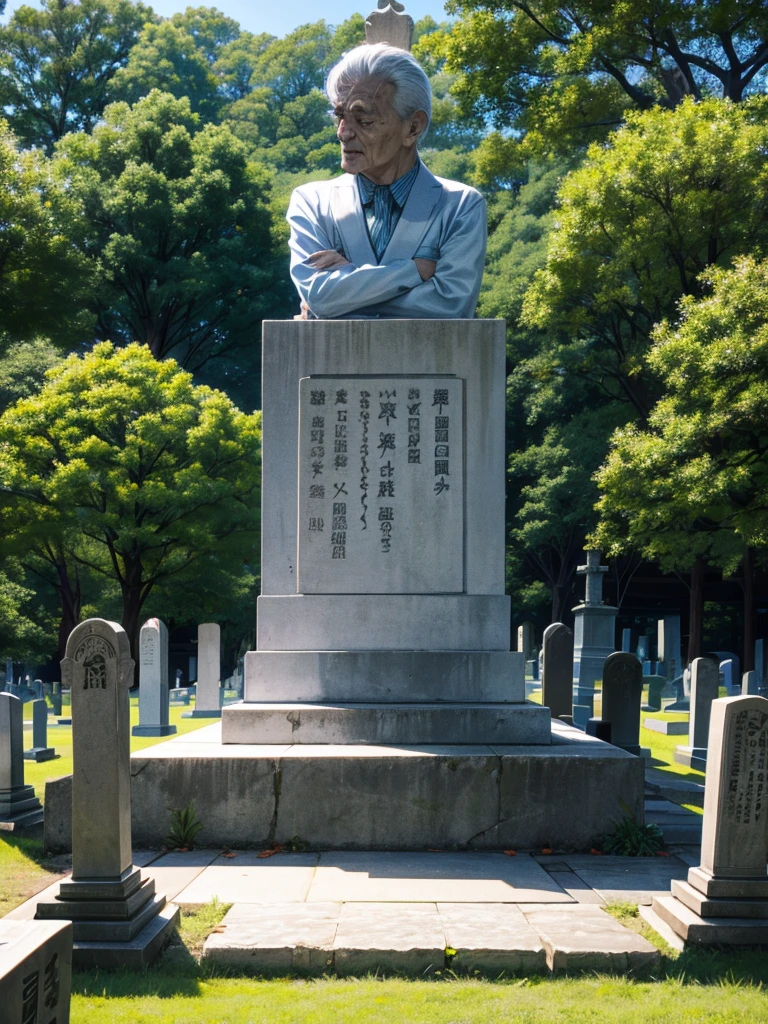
(696, 631)
(70, 599)
(748, 573)
(133, 601)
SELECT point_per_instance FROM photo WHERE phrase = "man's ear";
(416, 125)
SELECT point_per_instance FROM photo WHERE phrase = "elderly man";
(387, 238)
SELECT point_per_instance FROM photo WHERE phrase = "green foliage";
(43, 280)
(174, 220)
(184, 828)
(57, 64)
(123, 468)
(694, 482)
(632, 840)
(22, 637)
(562, 76)
(23, 369)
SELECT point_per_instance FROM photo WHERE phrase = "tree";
(44, 282)
(673, 193)
(565, 74)
(123, 466)
(174, 220)
(693, 484)
(57, 64)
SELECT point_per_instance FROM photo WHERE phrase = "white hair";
(412, 89)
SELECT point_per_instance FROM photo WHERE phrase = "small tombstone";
(731, 881)
(656, 685)
(760, 666)
(599, 729)
(681, 702)
(647, 666)
(39, 751)
(626, 640)
(622, 695)
(208, 690)
(56, 698)
(35, 971)
(19, 807)
(153, 681)
(117, 917)
(525, 638)
(727, 676)
(749, 685)
(557, 670)
(390, 24)
(642, 648)
(705, 684)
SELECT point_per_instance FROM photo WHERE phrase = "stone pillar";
(209, 693)
(153, 681)
(705, 684)
(557, 671)
(39, 751)
(594, 632)
(731, 881)
(525, 639)
(19, 807)
(626, 640)
(669, 650)
(117, 916)
(622, 695)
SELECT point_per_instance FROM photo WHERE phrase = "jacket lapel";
(416, 217)
(348, 214)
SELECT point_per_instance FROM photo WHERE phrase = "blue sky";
(281, 16)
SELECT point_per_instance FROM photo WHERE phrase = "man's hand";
(327, 259)
(426, 268)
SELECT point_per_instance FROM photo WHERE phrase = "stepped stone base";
(568, 793)
(710, 931)
(19, 808)
(667, 728)
(381, 676)
(692, 757)
(386, 723)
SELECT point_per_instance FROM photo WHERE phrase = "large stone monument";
(594, 632)
(19, 807)
(153, 681)
(390, 623)
(725, 900)
(705, 683)
(118, 918)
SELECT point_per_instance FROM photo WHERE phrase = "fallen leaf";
(270, 853)
(597, 853)
(511, 853)
(546, 849)
(433, 849)
(229, 855)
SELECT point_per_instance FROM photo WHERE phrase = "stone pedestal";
(725, 900)
(593, 641)
(383, 617)
(153, 681)
(118, 919)
(19, 807)
(39, 751)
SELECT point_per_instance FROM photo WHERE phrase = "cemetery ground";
(696, 985)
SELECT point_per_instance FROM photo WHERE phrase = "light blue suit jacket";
(443, 218)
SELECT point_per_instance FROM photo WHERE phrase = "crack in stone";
(277, 782)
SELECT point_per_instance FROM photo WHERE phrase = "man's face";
(374, 141)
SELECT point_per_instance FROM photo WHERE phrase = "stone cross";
(153, 681)
(557, 670)
(622, 694)
(735, 827)
(390, 24)
(594, 574)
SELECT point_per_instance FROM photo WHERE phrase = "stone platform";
(568, 793)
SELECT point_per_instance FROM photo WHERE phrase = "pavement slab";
(630, 879)
(402, 938)
(245, 878)
(175, 871)
(584, 938)
(275, 938)
(373, 877)
(491, 938)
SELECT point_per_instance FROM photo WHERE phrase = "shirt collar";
(400, 189)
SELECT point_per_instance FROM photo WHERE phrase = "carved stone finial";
(390, 24)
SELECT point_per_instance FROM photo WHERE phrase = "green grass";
(60, 738)
(23, 872)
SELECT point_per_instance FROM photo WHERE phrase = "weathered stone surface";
(710, 931)
(19, 807)
(667, 728)
(586, 938)
(208, 692)
(492, 938)
(247, 878)
(153, 681)
(383, 676)
(626, 879)
(385, 723)
(557, 670)
(622, 695)
(706, 907)
(35, 971)
(406, 938)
